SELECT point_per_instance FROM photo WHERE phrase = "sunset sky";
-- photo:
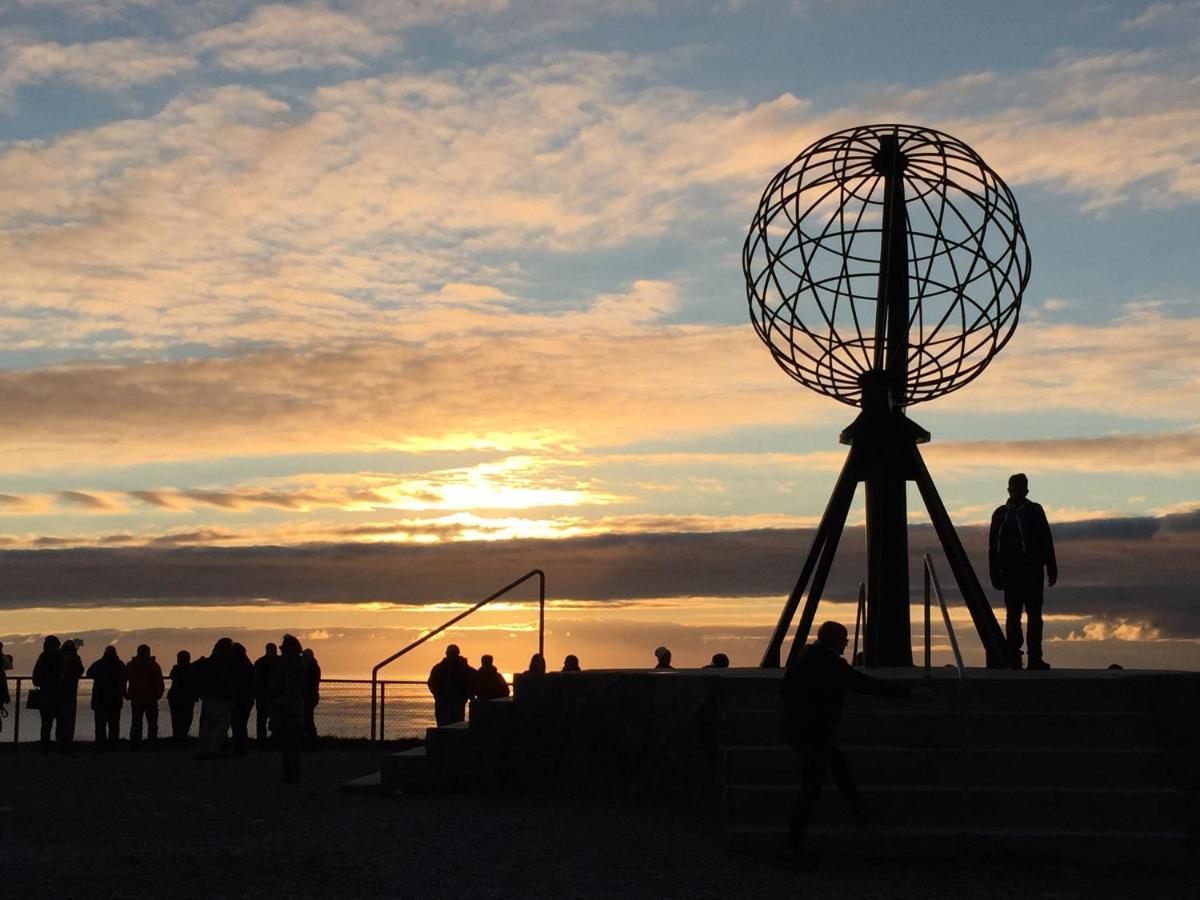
(333, 316)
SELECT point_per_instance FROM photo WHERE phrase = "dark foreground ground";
(165, 825)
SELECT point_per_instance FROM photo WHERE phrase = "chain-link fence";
(406, 710)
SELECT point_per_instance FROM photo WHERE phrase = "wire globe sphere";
(812, 262)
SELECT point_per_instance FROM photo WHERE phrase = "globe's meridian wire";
(811, 261)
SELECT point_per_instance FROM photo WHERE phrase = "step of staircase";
(985, 767)
(970, 809)
(1083, 846)
(899, 726)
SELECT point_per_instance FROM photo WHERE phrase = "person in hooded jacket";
(312, 697)
(48, 679)
(286, 703)
(216, 682)
(143, 688)
(243, 698)
(450, 683)
(488, 683)
(72, 671)
(264, 668)
(181, 697)
(108, 696)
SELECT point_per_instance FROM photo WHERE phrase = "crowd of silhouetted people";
(454, 682)
(282, 687)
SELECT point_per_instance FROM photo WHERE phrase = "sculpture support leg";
(889, 638)
(839, 507)
(960, 564)
(845, 483)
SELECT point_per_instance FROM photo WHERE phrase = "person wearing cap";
(1021, 562)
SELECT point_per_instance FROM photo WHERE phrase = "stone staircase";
(1085, 766)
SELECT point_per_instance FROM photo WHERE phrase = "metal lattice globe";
(812, 262)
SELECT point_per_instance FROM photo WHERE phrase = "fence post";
(17, 713)
(382, 709)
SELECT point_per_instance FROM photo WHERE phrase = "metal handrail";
(17, 683)
(541, 576)
(859, 616)
(933, 587)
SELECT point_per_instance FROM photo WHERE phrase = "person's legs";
(1014, 596)
(241, 725)
(187, 713)
(260, 720)
(839, 768)
(48, 717)
(151, 713)
(178, 729)
(214, 725)
(287, 734)
(114, 728)
(813, 759)
(136, 710)
(310, 726)
(1035, 594)
(65, 726)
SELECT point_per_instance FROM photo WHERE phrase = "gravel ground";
(164, 825)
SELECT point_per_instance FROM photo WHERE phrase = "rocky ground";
(165, 825)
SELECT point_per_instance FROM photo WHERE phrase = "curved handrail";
(541, 576)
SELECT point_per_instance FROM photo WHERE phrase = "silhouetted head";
(51, 642)
(720, 661)
(69, 649)
(537, 664)
(239, 650)
(571, 663)
(290, 645)
(110, 652)
(183, 657)
(223, 647)
(1018, 486)
(272, 650)
(663, 655)
(308, 652)
(485, 660)
(1116, 667)
(834, 636)
(143, 651)
(452, 651)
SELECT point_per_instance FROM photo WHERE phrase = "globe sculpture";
(884, 267)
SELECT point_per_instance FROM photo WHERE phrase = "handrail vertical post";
(374, 682)
(17, 713)
(928, 640)
(541, 613)
(858, 617)
(382, 710)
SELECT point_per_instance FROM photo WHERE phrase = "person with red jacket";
(144, 687)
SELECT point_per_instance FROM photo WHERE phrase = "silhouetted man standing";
(814, 689)
(1021, 560)
(143, 688)
(264, 668)
(450, 683)
(108, 696)
(181, 698)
